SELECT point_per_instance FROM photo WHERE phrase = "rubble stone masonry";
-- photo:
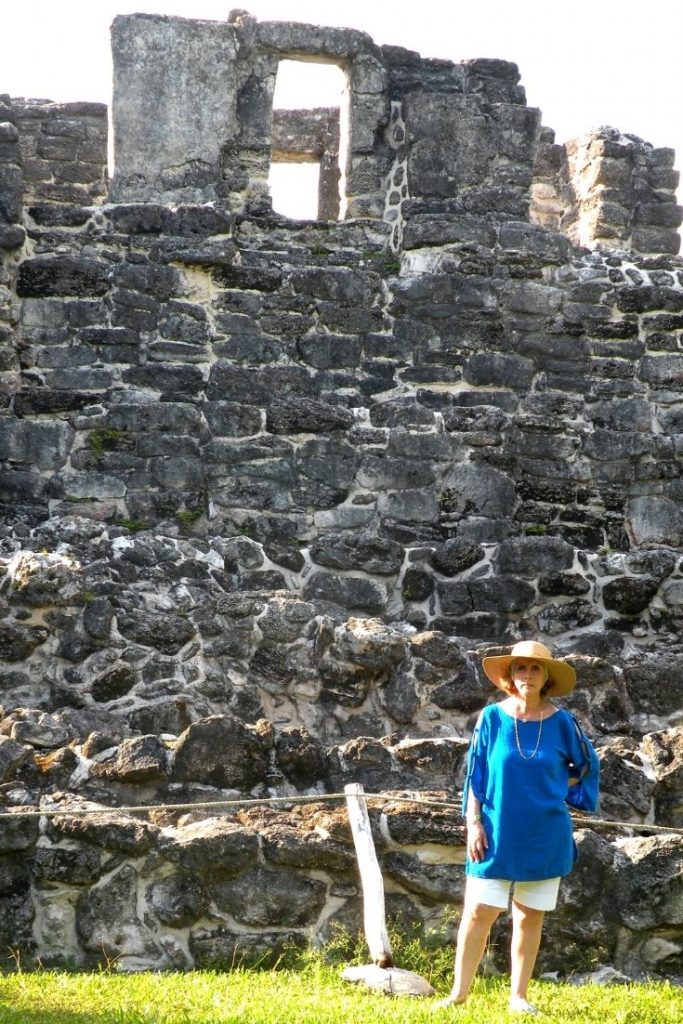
(269, 488)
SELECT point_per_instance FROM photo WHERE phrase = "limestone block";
(654, 520)
(477, 489)
(265, 898)
(69, 866)
(178, 900)
(590, 881)
(491, 369)
(360, 552)
(629, 595)
(106, 829)
(141, 759)
(665, 751)
(17, 641)
(399, 698)
(437, 649)
(464, 692)
(529, 555)
(290, 847)
(355, 593)
(649, 239)
(174, 104)
(164, 632)
(435, 883)
(62, 275)
(648, 890)
(222, 751)
(11, 192)
(449, 144)
(501, 594)
(107, 919)
(299, 755)
(296, 39)
(37, 728)
(204, 846)
(306, 416)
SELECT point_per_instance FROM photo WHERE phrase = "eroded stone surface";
(269, 490)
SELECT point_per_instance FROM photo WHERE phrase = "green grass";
(310, 994)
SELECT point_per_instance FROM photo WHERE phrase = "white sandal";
(519, 1005)
(444, 1004)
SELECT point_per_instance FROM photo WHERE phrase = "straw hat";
(561, 675)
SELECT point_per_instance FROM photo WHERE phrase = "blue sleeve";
(585, 795)
(475, 777)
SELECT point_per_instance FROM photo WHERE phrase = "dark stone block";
(178, 900)
(165, 633)
(417, 585)
(400, 699)
(44, 400)
(265, 897)
(139, 760)
(108, 829)
(214, 845)
(59, 215)
(485, 369)
(558, 618)
(629, 595)
(465, 692)
(70, 867)
(351, 592)
(359, 551)
(501, 594)
(306, 415)
(555, 583)
(405, 412)
(139, 219)
(16, 832)
(11, 192)
(11, 236)
(62, 275)
(529, 555)
(455, 556)
(455, 598)
(262, 279)
(18, 641)
(172, 381)
(153, 280)
(434, 883)
(329, 351)
(113, 684)
(221, 751)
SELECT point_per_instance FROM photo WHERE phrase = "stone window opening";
(310, 105)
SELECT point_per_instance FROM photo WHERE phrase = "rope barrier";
(77, 812)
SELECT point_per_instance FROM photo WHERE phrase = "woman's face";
(529, 677)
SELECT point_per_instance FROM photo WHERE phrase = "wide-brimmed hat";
(561, 675)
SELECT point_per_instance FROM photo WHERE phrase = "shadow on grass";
(22, 1015)
(15, 1015)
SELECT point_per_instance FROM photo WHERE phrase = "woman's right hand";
(477, 843)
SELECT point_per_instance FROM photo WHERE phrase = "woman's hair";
(507, 684)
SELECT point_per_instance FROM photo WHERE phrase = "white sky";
(585, 63)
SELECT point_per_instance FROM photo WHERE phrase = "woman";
(528, 759)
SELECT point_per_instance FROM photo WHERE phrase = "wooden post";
(370, 877)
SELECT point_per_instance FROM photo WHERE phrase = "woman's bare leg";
(477, 919)
(527, 925)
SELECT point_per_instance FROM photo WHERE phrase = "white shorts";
(495, 892)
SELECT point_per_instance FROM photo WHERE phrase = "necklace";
(532, 755)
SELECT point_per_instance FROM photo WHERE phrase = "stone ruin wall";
(269, 489)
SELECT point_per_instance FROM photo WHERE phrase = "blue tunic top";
(524, 802)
